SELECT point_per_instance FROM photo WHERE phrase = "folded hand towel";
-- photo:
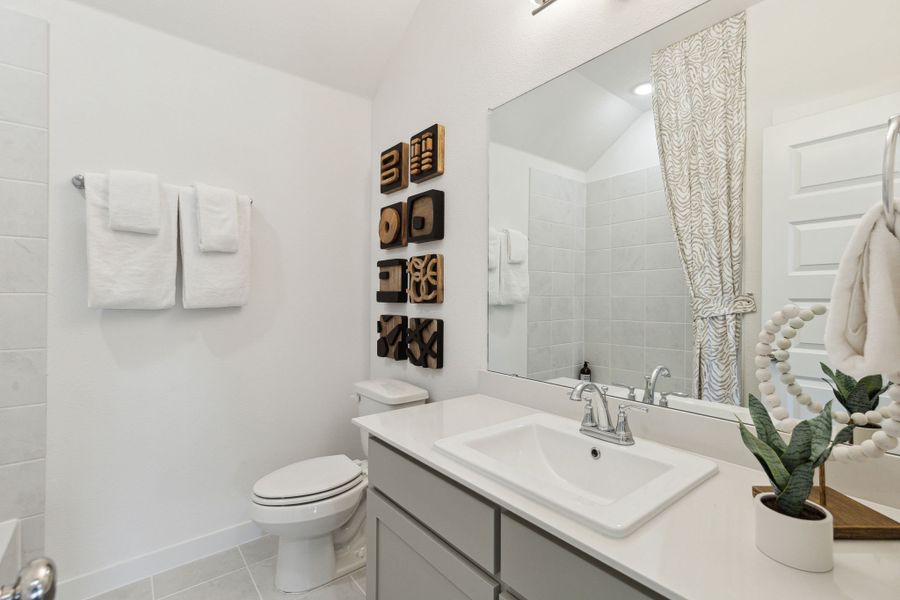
(134, 202)
(514, 278)
(217, 218)
(213, 279)
(493, 267)
(127, 269)
(862, 333)
(518, 246)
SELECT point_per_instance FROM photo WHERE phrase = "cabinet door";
(406, 562)
(539, 567)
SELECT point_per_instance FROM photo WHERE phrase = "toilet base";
(306, 564)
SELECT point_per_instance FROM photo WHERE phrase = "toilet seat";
(310, 498)
(307, 481)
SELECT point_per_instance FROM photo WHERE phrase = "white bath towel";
(514, 280)
(127, 269)
(493, 267)
(517, 246)
(134, 202)
(217, 218)
(213, 279)
(862, 333)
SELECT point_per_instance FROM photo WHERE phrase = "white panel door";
(820, 174)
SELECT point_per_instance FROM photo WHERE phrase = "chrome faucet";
(651, 380)
(664, 397)
(620, 433)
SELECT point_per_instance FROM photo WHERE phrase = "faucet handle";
(630, 389)
(622, 427)
(664, 397)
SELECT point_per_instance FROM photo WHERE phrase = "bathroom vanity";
(439, 526)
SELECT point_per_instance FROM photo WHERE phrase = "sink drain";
(595, 453)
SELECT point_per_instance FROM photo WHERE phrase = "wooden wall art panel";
(391, 280)
(395, 168)
(392, 333)
(425, 220)
(426, 154)
(426, 343)
(392, 230)
(426, 279)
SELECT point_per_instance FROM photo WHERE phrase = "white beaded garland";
(787, 322)
(884, 441)
(790, 310)
(871, 450)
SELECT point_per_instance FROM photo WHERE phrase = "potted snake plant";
(790, 528)
(859, 398)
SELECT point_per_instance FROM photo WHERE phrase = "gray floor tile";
(234, 586)
(139, 590)
(185, 576)
(343, 589)
(260, 549)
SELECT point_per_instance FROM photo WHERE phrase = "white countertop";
(700, 548)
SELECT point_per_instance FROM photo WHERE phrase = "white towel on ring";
(862, 333)
(217, 219)
(493, 267)
(514, 277)
(517, 246)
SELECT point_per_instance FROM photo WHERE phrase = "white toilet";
(316, 507)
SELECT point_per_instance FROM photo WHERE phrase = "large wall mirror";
(773, 113)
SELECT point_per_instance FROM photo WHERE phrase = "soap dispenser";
(585, 372)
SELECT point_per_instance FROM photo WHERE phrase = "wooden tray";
(852, 520)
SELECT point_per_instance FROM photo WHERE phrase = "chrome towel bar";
(78, 182)
(890, 155)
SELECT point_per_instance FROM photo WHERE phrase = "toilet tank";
(382, 395)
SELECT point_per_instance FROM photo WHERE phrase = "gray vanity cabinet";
(429, 537)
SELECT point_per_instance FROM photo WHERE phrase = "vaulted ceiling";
(344, 44)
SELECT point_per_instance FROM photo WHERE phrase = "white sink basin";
(546, 458)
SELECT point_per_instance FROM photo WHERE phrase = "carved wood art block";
(426, 279)
(392, 332)
(426, 343)
(391, 280)
(426, 154)
(425, 220)
(392, 226)
(395, 168)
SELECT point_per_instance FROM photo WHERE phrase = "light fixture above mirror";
(541, 5)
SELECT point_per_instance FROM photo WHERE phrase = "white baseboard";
(128, 571)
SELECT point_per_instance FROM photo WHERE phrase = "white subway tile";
(32, 529)
(23, 490)
(24, 433)
(23, 152)
(23, 96)
(23, 377)
(628, 184)
(23, 321)
(23, 265)
(24, 208)
(23, 41)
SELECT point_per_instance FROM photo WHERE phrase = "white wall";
(481, 55)
(634, 150)
(159, 422)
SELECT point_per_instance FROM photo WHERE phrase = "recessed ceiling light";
(644, 89)
(541, 5)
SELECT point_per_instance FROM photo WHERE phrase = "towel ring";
(890, 150)
(78, 183)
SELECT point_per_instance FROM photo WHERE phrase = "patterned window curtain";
(699, 107)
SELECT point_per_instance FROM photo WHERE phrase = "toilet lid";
(308, 477)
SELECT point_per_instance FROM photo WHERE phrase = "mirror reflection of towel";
(514, 279)
(862, 334)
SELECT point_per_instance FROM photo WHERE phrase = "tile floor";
(246, 572)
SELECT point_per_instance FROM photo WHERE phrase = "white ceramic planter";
(861, 434)
(797, 543)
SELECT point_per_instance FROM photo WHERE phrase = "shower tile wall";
(556, 265)
(635, 309)
(23, 273)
